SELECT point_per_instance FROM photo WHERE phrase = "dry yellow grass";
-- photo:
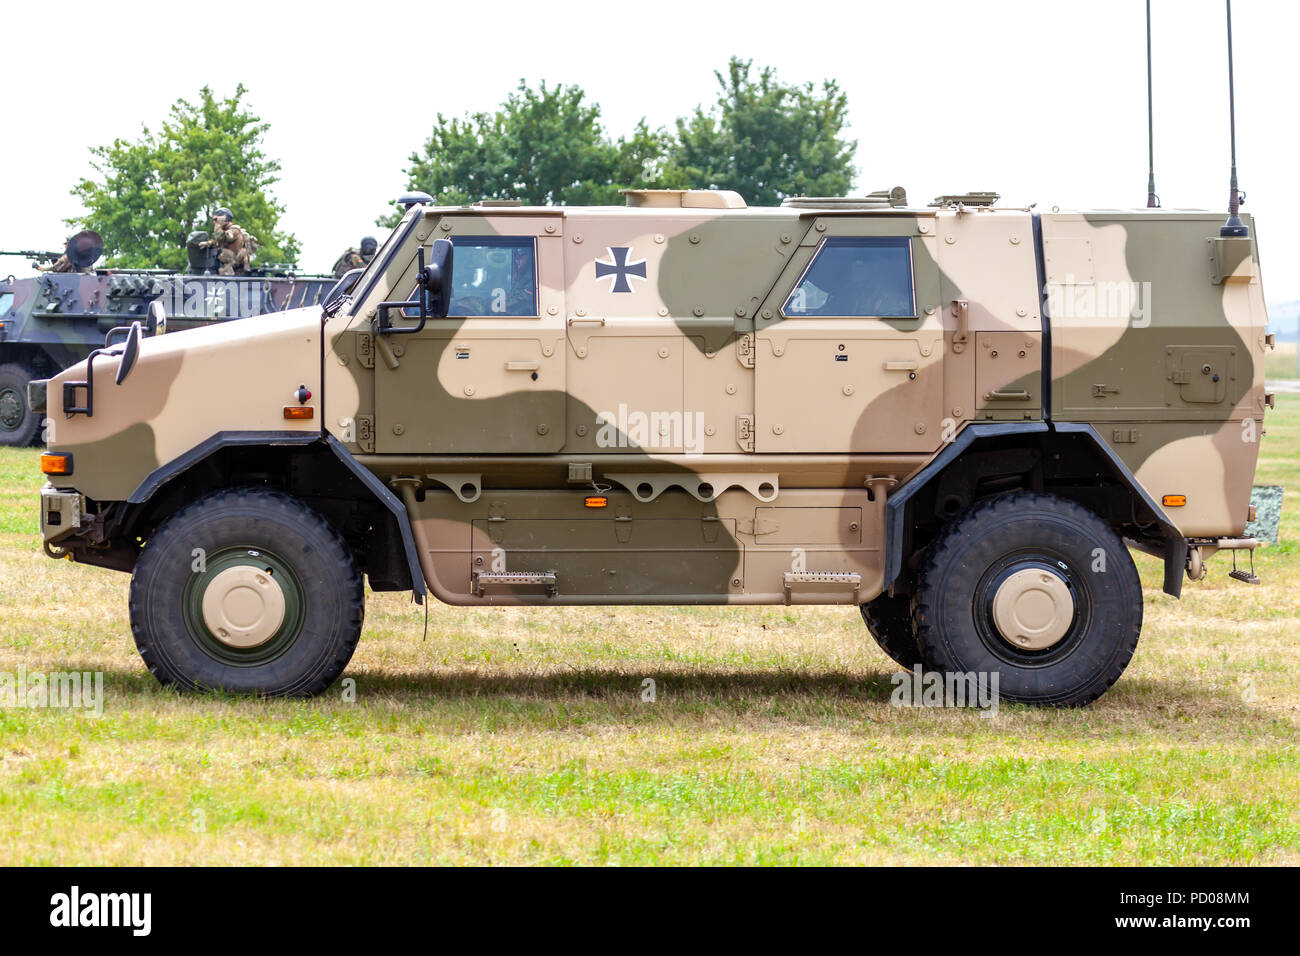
(520, 736)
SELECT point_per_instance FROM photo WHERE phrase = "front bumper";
(61, 513)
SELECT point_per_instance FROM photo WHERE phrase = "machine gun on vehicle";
(36, 256)
(81, 252)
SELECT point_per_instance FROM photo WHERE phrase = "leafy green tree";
(543, 146)
(149, 195)
(766, 140)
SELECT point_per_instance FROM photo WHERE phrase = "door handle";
(907, 365)
(961, 309)
(579, 320)
(1007, 395)
(522, 366)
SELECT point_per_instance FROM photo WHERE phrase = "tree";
(544, 146)
(149, 195)
(767, 140)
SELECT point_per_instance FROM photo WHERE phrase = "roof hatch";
(684, 198)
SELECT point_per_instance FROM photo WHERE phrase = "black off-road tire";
(19, 425)
(889, 621)
(953, 604)
(247, 528)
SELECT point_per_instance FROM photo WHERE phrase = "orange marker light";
(1173, 501)
(299, 412)
(595, 501)
(52, 464)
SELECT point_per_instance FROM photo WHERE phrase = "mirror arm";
(385, 327)
(70, 407)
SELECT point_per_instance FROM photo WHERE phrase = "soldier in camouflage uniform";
(234, 246)
(61, 264)
(356, 258)
(79, 255)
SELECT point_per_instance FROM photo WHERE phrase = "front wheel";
(247, 591)
(1035, 589)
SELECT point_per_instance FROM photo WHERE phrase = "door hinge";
(745, 349)
(365, 432)
(745, 432)
(365, 350)
(1124, 436)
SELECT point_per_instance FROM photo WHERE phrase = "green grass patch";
(521, 736)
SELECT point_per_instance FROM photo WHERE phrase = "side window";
(857, 277)
(491, 275)
(494, 275)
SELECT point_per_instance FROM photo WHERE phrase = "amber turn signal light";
(595, 501)
(299, 413)
(52, 464)
(1173, 501)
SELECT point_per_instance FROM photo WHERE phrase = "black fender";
(1171, 545)
(182, 463)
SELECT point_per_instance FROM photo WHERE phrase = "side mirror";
(130, 352)
(435, 278)
(156, 321)
(432, 288)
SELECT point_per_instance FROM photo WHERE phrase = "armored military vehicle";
(959, 417)
(51, 321)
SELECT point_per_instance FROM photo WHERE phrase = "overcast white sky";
(1043, 101)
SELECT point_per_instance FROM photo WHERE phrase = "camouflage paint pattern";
(743, 455)
(52, 321)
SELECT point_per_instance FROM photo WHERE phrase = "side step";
(515, 582)
(822, 587)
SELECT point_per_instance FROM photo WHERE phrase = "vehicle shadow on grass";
(1165, 707)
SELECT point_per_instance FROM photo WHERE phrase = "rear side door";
(849, 344)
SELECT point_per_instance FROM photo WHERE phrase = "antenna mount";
(1234, 227)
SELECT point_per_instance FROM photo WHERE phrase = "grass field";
(1281, 362)
(520, 736)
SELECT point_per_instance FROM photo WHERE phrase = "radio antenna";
(1152, 199)
(1234, 226)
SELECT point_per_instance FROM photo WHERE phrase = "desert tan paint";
(185, 388)
(830, 407)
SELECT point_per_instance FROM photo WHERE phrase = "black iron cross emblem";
(619, 269)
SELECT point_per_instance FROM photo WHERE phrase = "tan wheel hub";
(243, 606)
(1033, 609)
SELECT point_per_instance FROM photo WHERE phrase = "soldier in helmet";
(80, 254)
(234, 246)
(356, 258)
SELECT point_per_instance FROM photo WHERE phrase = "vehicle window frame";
(842, 241)
(383, 258)
(509, 241)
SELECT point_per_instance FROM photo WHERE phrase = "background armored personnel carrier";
(54, 320)
(958, 417)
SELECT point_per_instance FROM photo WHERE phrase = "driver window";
(493, 275)
(856, 277)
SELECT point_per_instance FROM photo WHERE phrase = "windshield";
(383, 258)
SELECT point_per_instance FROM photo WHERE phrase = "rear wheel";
(18, 423)
(1036, 589)
(889, 620)
(248, 591)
